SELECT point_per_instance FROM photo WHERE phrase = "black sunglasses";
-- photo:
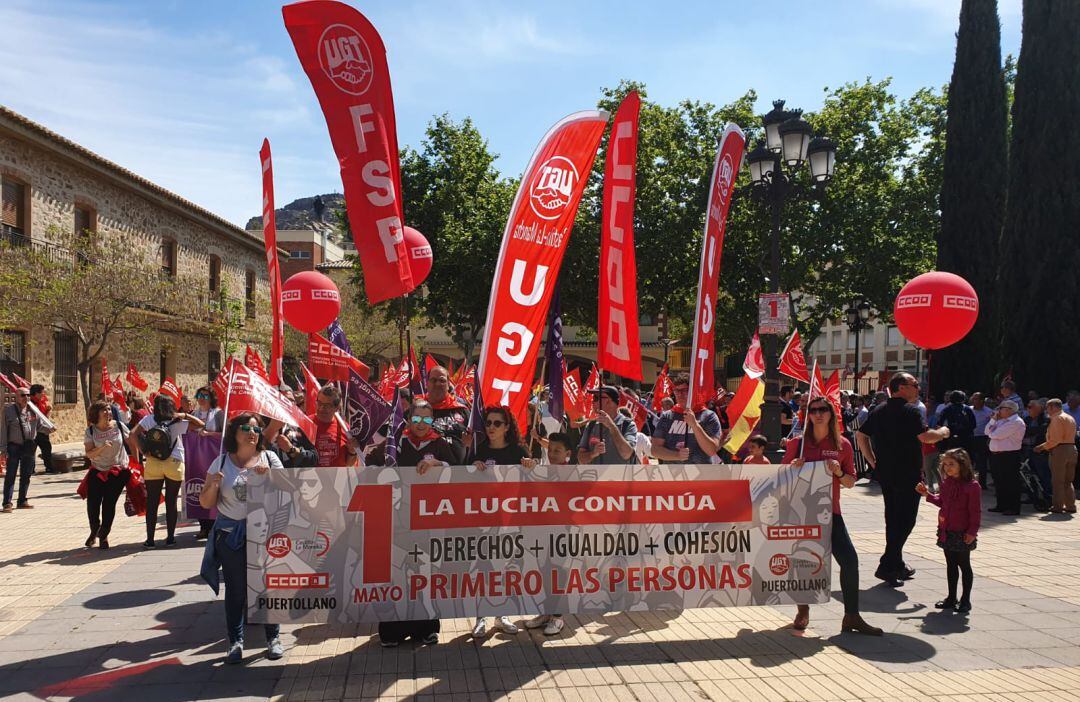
(494, 423)
(819, 410)
(249, 428)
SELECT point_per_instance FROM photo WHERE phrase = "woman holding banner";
(207, 410)
(245, 460)
(420, 446)
(825, 442)
(502, 447)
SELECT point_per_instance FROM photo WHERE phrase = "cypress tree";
(1040, 245)
(973, 191)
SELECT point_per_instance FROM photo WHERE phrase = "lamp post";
(858, 318)
(667, 345)
(774, 166)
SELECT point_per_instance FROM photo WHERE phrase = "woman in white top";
(245, 461)
(104, 445)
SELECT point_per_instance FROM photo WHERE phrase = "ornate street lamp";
(858, 318)
(789, 143)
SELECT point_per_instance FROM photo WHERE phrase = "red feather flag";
(618, 339)
(345, 60)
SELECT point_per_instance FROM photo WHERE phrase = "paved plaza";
(127, 624)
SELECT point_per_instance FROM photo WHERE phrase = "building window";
(299, 254)
(213, 365)
(85, 220)
(13, 205)
(65, 373)
(12, 358)
(837, 341)
(894, 338)
(215, 275)
(168, 257)
(249, 293)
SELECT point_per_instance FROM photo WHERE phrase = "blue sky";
(183, 92)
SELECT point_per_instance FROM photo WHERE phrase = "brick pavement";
(127, 624)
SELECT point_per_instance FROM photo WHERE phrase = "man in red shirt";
(333, 443)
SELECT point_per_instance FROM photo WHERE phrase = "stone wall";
(57, 185)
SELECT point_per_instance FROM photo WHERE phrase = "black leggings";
(958, 563)
(153, 497)
(101, 497)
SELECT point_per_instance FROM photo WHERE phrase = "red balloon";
(310, 301)
(936, 309)
(420, 259)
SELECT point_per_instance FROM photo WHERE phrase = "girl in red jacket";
(960, 502)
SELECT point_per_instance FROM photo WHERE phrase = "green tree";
(454, 195)
(973, 191)
(1040, 251)
(86, 284)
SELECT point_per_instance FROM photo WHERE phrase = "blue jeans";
(234, 568)
(20, 459)
(848, 560)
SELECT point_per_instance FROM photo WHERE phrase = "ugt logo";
(550, 191)
(725, 175)
(345, 59)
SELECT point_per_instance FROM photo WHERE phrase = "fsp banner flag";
(619, 341)
(380, 544)
(277, 333)
(725, 171)
(345, 60)
(533, 245)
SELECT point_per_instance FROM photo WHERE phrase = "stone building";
(49, 182)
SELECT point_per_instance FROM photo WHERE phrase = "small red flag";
(254, 362)
(169, 388)
(792, 360)
(135, 379)
(106, 381)
(661, 389)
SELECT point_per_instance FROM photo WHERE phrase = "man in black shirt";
(890, 440)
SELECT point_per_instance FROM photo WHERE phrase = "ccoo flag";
(619, 342)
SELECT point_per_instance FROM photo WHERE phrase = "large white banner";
(370, 544)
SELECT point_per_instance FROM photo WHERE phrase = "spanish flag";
(744, 412)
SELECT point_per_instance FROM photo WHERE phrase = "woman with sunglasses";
(245, 461)
(420, 446)
(823, 441)
(501, 446)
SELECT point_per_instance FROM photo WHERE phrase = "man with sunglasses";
(610, 438)
(891, 441)
(450, 414)
(684, 436)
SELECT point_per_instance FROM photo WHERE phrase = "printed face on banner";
(362, 545)
(552, 187)
(346, 59)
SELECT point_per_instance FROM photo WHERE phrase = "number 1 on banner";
(376, 503)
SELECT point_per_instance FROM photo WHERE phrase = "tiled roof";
(18, 123)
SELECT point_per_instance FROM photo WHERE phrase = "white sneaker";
(538, 621)
(554, 626)
(480, 630)
(507, 626)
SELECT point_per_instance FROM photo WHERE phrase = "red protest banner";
(533, 245)
(277, 332)
(792, 360)
(135, 379)
(254, 362)
(245, 391)
(725, 171)
(331, 362)
(345, 60)
(619, 341)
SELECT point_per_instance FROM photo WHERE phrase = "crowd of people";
(947, 452)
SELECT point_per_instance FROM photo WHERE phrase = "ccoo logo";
(345, 59)
(552, 186)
